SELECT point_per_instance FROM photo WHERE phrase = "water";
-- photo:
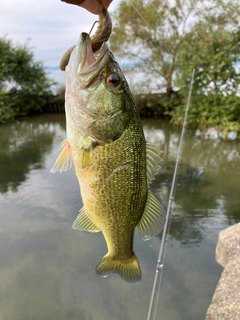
(47, 269)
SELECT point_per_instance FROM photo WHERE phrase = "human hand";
(93, 6)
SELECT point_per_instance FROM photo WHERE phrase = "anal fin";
(153, 218)
(64, 160)
(84, 223)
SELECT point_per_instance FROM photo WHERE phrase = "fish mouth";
(90, 63)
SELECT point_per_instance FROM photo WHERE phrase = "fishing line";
(161, 43)
(140, 15)
(162, 250)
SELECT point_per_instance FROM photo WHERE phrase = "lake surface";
(47, 270)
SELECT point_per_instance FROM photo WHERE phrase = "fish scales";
(113, 162)
(116, 199)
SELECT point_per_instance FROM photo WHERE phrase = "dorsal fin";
(153, 160)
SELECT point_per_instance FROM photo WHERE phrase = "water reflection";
(185, 226)
(23, 146)
(47, 269)
(207, 183)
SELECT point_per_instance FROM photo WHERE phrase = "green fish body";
(113, 162)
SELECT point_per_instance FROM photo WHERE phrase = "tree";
(176, 37)
(214, 54)
(212, 48)
(157, 39)
(24, 84)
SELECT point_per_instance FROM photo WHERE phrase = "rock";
(228, 244)
(225, 304)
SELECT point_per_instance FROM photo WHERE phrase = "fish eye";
(113, 80)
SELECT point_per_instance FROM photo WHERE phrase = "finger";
(93, 6)
(105, 3)
(76, 2)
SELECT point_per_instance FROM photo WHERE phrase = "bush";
(24, 85)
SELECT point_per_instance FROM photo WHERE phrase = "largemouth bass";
(113, 162)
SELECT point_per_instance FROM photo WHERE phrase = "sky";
(51, 26)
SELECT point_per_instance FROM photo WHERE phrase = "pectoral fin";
(153, 218)
(87, 156)
(64, 160)
(153, 160)
(84, 223)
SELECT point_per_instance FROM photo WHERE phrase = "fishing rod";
(163, 246)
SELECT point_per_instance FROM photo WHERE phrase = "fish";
(113, 162)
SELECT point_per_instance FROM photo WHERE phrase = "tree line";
(168, 39)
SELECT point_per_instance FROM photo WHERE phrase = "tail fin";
(128, 269)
